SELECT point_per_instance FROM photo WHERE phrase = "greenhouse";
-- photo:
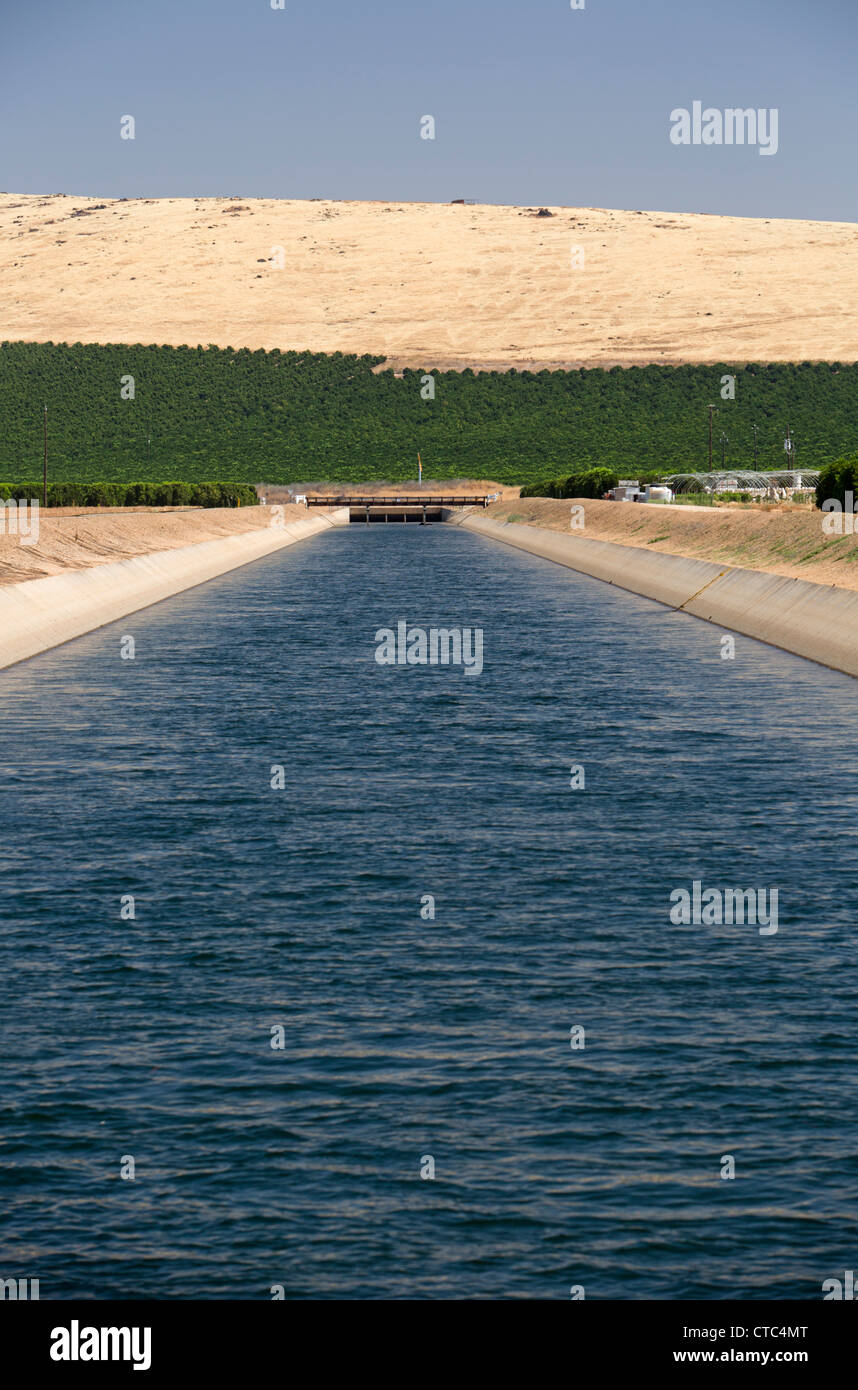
(782, 482)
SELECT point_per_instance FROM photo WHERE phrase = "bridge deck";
(357, 500)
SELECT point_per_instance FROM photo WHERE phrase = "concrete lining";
(811, 620)
(816, 621)
(38, 614)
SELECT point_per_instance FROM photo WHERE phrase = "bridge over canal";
(422, 509)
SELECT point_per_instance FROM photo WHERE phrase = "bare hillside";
(428, 284)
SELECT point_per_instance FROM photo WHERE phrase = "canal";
(381, 929)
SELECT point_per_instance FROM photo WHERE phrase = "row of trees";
(149, 412)
(177, 494)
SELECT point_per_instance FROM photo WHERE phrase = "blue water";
(407, 1038)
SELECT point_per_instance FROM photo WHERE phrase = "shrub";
(836, 479)
(593, 483)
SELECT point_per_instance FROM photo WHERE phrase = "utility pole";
(789, 445)
(711, 409)
(45, 471)
(754, 427)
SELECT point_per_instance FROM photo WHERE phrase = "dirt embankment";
(786, 540)
(71, 540)
(428, 284)
(470, 487)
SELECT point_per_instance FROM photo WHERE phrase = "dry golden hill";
(428, 284)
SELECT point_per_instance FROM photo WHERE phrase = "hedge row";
(175, 494)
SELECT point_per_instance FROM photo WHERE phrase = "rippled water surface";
(406, 1038)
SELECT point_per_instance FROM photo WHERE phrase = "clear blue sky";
(534, 103)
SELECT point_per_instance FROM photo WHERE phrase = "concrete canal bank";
(816, 621)
(37, 614)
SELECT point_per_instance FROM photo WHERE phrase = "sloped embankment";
(785, 540)
(811, 620)
(38, 614)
